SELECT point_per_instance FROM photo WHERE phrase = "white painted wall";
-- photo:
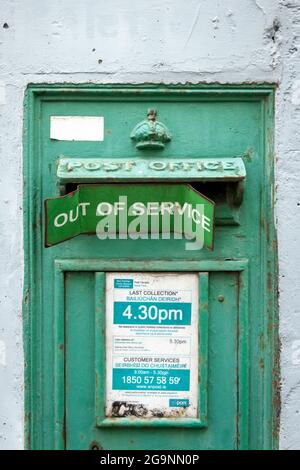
(160, 41)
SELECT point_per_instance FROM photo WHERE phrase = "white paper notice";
(152, 345)
(81, 128)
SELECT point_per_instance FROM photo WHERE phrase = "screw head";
(95, 446)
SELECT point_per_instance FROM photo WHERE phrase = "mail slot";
(147, 259)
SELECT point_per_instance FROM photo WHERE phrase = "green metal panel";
(220, 430)
(63, 284)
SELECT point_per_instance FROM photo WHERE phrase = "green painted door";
(220, 431)
(65, 308)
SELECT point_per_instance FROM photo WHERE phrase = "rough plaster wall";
(171, 41)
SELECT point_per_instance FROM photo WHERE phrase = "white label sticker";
(151, 345)
(81, 128)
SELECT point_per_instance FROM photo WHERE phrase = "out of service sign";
(152, 345)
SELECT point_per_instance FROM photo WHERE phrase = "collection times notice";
(152, 345)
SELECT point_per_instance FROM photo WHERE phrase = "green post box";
(138, 338)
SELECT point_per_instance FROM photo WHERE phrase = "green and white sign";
(131, 211)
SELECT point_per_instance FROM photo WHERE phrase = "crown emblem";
(150, 133)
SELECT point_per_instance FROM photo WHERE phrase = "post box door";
(218, 382)
(231, 400)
